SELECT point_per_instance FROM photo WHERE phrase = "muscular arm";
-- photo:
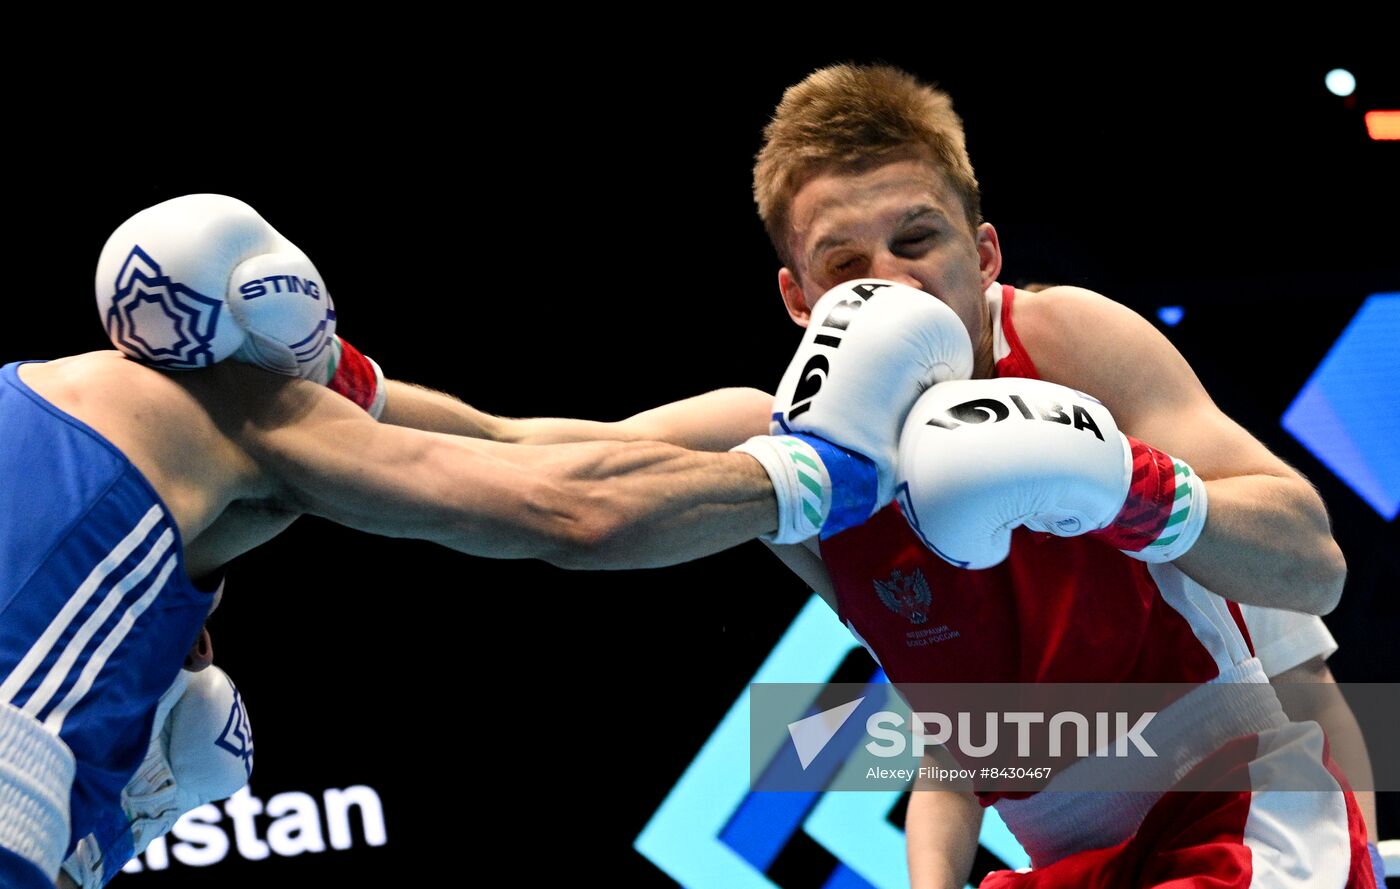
(714, 421)
(594, 504)
(1344, 736)
(942, 826)
(1267, 540)
(940, 831)
(419, 407)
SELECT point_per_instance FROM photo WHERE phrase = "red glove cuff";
(355, 377)
(1151, 495)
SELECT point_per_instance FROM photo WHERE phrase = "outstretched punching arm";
(713, 421)
(594, 504)
(615, 504)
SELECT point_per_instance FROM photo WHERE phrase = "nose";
(893, 268)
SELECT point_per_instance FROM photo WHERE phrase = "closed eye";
(913, 241)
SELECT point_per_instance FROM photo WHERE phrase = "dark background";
(576, 236)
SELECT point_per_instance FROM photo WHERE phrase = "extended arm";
(714, 421)
(1267, 539)
(940, 835)
(941, 827)
(1344, 737)
(595, 505)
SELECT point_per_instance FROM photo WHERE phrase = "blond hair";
(849, 119)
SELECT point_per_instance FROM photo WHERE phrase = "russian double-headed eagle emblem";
(906, 594)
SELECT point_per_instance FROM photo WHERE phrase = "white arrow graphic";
(810, 735)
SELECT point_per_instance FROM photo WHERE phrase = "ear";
(988, 254)
(794, 297)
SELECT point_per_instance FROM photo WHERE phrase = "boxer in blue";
(123, 482)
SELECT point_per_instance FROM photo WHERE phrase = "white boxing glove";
(870, 349)
(200, 278)
(978, 458)
(204, 752)
(201, 750)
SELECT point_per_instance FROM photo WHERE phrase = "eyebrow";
(936, 213)
(826, 243)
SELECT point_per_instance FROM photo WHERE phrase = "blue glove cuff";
(855, 484)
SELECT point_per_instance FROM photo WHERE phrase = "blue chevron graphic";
(712, 831)
(1348, 412)
(237, 737)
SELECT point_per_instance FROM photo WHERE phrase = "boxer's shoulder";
(1057, 324)
(173, 426)
(125, 400)
(1084, 340)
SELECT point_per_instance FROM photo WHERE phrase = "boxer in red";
(1070, 553)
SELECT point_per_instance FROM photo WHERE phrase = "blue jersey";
(96, 611)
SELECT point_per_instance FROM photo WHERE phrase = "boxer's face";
(901, 222)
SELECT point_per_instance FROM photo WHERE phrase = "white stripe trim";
(1001, 346)
(36, 778)
(74, 650)
(1208, 614)
(54, 722)
(1056, 822)
(1297, 839)
(45, 643)
(1284, 639)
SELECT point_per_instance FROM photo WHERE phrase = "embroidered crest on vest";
(906, 594)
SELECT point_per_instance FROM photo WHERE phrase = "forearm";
(591, 504)
(578, 506)
(1329, 709)
(417, 407)
(1266, 541)
(940, 831)
(713, 421)
(1348, 747)
(648, 504)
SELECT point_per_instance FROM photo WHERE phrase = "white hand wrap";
(36, 778)
(801, 484)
